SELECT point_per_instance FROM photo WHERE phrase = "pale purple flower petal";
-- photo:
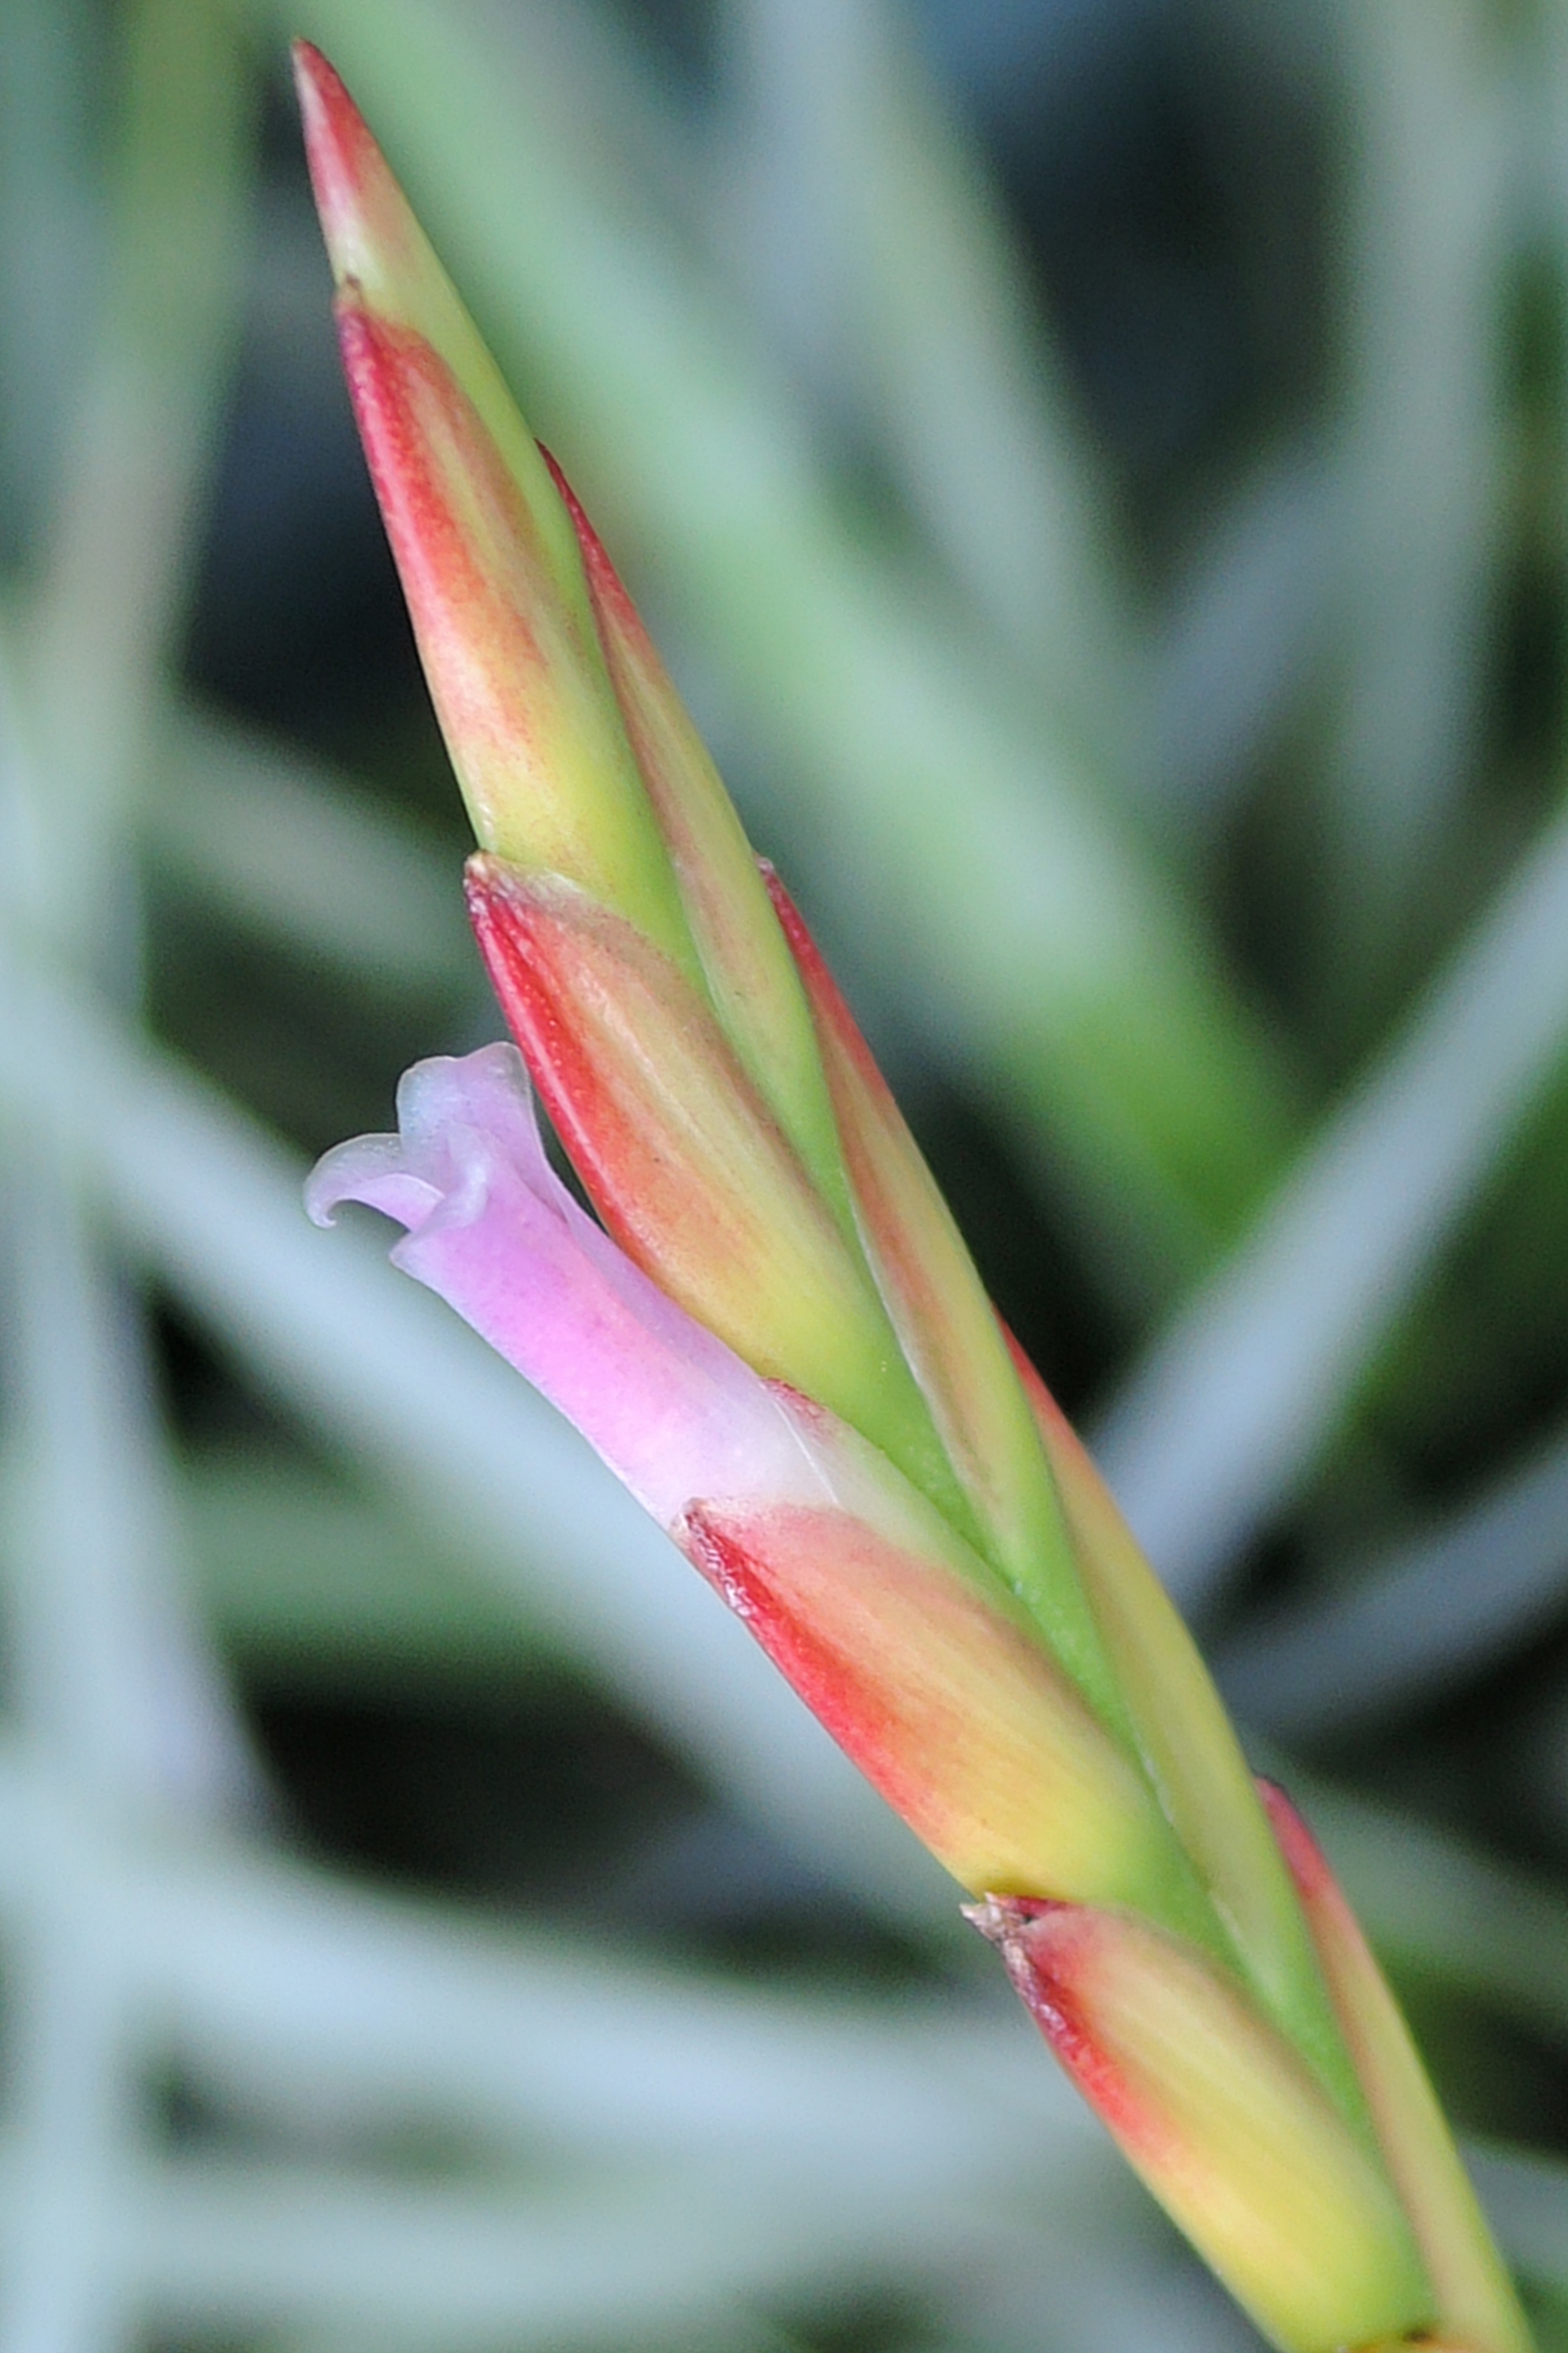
(492, 1228)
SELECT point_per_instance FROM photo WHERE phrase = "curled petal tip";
(371, 1169)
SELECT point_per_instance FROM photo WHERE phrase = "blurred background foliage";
(1097, 468)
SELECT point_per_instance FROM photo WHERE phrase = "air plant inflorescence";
(771, 1331)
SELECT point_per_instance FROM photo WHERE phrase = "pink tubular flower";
(492, 1228)
(771, 1331)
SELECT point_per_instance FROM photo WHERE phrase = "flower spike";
(771, 1331)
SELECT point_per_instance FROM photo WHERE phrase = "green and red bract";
(945, 1703)
(1229, 2128)
(770, 1329)
(686, 1162)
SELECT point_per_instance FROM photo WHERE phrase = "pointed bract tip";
(616, 610)
(363, 219)
(568, 498)
(335, 131)
(1307, 1863)
(336, 137)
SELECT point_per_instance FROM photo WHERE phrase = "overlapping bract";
(1231, 2130)
(778, 1339)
